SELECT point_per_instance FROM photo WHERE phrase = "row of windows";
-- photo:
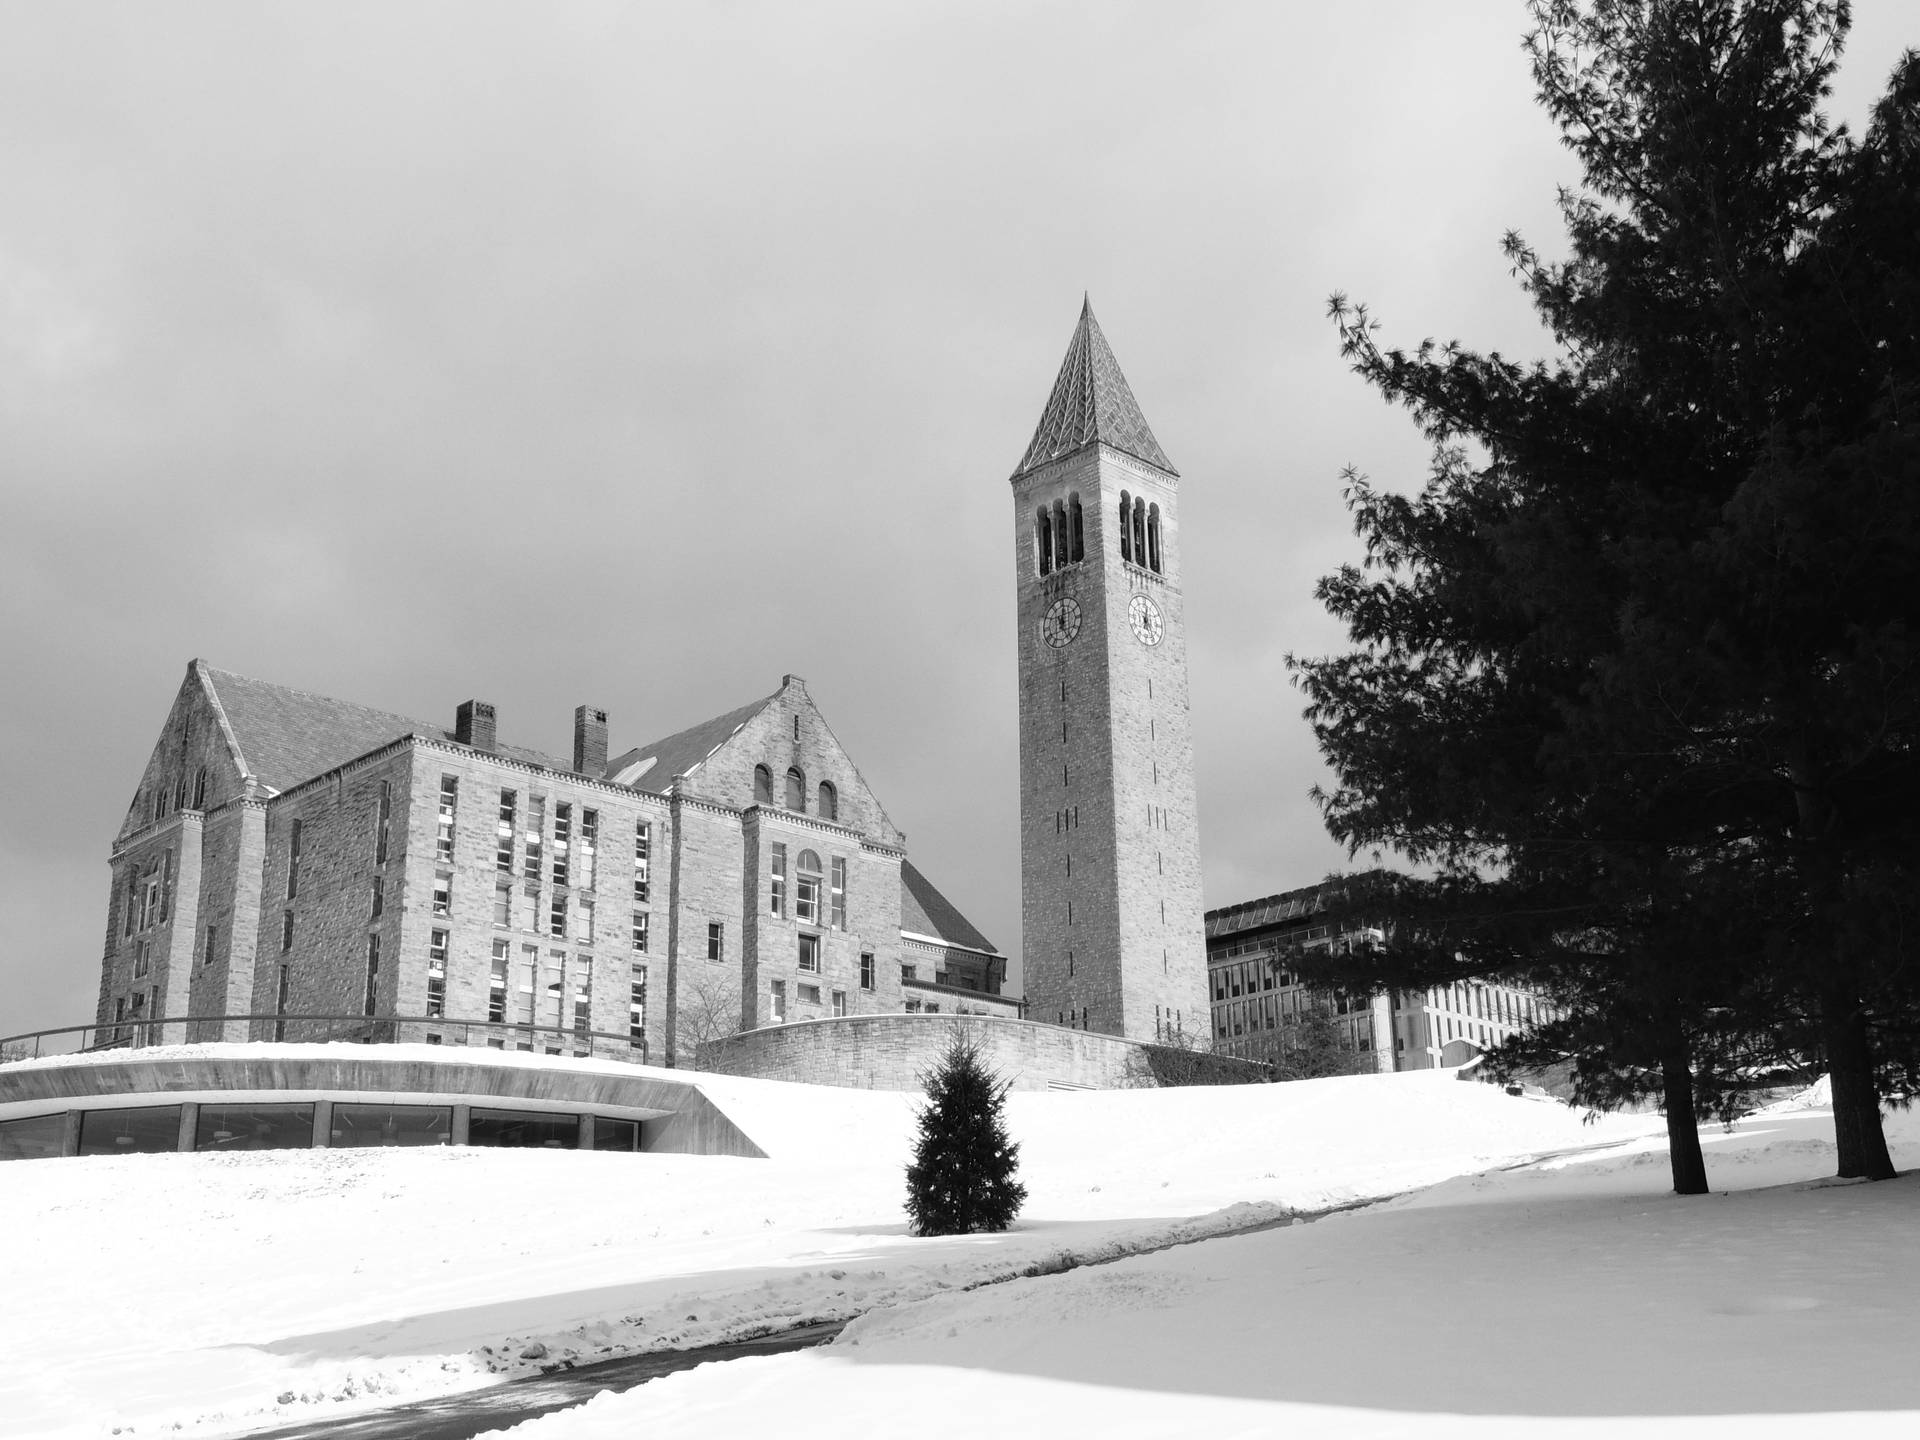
(1060, 535)
(828, 794)
(164, 799)
(807, 881)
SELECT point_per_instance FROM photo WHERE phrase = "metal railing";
(321, 1029)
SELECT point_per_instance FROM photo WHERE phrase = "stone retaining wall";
(892, 1052)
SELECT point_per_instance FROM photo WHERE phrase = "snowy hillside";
(211, 1292)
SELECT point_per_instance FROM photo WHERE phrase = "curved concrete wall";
(678, 1117)
(892, 1052)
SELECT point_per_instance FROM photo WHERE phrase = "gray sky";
(637, 354)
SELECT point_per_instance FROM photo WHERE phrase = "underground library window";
(148, 1130)
(254, 1127)
(360, 1125)
(35, 1138)
(523, 1130)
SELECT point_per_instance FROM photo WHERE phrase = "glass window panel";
(612, 1134)
(362, 1125)
(254, 1127)
(147, 1130)
(35, 1138)
(522, 1129)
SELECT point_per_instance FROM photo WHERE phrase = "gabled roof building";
(290, 855)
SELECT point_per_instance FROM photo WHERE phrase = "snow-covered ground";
(181, 1293)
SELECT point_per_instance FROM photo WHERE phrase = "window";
(837, 894)
(293, 860)
(213, 936)
(383, 823)
(839, 1002)
(142, 959)
(810, 954)
(866, 970)
(1076, 544)
(443, 838)
(809, 995)
(200, 789)
(777, 900)
(1139, 531)
(779, 1001)
(762, 785)
(378, 901)
(531, 910)
(497, 982)
(642, 852)
(286, 932)
(1126, 526)
(907, 972)
(1153, 538)
(437, 974)
(166, 885)
(585, 937)
(829, 801)
(149, 899)
(796, 790)
(637, 1007)
(562, 841)
(806, 900)
(536, 827)
(589, 846)
(582, 994)
(503, 904)
(443, 894)
(716, 940)
(503, 832)
(557, 916)
(373, 974)
(553, 988)
(640, 919)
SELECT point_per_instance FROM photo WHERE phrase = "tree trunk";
(1857, 1132)
(1683, 1130)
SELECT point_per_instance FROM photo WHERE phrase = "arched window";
(806, 895)
(1043, 539)
(200, 789)
(1153, 539)
(1139, 531)
(829, 801)
(762, 785)
(1126, 526)
(796, 790)
(1062, 537)
(1077, 528)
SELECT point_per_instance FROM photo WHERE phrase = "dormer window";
(829, 801)
(796, 790)
(762, 785)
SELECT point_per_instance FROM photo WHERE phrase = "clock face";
(1061, 622)
(1144, 616)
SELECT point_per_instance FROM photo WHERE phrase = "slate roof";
(1091, 401)
(287, 736)
(925, 911)
(682, 751)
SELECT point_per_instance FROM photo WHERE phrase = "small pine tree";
(961, 1179)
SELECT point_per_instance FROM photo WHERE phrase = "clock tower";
(1109, 840)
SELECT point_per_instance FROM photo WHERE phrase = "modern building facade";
(287, 854)
(1109, 836)
(1254, 994)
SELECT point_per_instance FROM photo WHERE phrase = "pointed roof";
(925, 911)
(1091, 402)
(652, 767)
(285, 736)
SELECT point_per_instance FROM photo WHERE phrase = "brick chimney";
(589, 741)
(473, 724)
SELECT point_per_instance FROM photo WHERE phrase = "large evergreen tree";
(962, 1176)
(1634, 670)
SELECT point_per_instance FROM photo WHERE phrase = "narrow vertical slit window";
(1126, 526)
(562, 843)
(497, 981)
(372, 999)
(286, 932)
(449, 798)
(436, 974)
(866, 970)
(806, 900)
(837, 894)
(582, 995)
(716, 941)
(293, 860)
(531, 837)
(383, 823)
(377, 902)
(642, 857)
(1077, 528)
(640, 927)
(213, 938)
(1043, 541)
(777, 896)
(589, 848)
(637, 1007)
(504, 832)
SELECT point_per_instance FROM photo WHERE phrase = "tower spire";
(1091, 403)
